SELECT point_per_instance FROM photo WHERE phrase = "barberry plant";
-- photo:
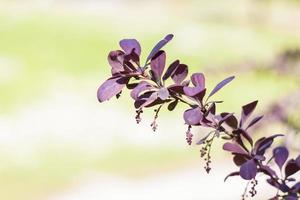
(148, 84)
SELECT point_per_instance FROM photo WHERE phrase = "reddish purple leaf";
(220, 85)
(224, 117)
(111, 87)
(234, 148)
(193, 116)
(141, 87)
(246, 111)
(145, 99)
(172, 105)
(231, 120)
(254, 121)
(180, 73)
(115, 60)
(171, 69)
(248, 170)
(158, 63)
(128, 45)
(198, 79)
(192, 91)
(263, 144)
(280, 154)
(239, 159)
(268, 171)
(244, 134)
(158, 46)
(291, 168)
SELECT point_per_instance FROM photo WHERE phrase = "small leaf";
(172, 105)
(268, 171)
(141, 87)
(254, 121)
(239, 159)
(221, 85)
(234, 148)
(171, 69)
(231, 120)
(264, 143)
(280, 154)
(128, 45)
(145, 100)
(291, 168)
(244, 134)
(246, 111)
(180, 73)
(111, 87)
(157, 64)
(192, 91)
(198, 80)
(115, 60)
(248, 170)
(193, 116)
(158, 46)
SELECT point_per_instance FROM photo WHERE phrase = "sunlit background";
(58, 143)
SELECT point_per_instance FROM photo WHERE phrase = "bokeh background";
(58, 143)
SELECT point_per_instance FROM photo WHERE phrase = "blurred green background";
(54, 135)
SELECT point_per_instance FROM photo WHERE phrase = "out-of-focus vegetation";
(48, 46)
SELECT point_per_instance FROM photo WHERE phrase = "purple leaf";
(193, 116)
(198, 79)
(231, 120)
(254, 121)
(264, 143)
(158, 46)
(158, 63)
(234, 148)
(163, 93)
(268, 171)
(225, 117)
(280, 154)
(176, 89)
(111, 87)
(180, 73)
(171, 69)
(232, 174)
(248, 170)
(220, 85)
(128, 45)
(115, 60)
(291, 168)
(172, 105)
(192, 91)
(141, 87)
(239, 159)
(244, 134)
(247, 110)
(145, 99)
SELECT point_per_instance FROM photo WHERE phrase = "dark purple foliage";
(155, 85)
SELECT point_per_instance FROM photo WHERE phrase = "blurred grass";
(54, 168)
